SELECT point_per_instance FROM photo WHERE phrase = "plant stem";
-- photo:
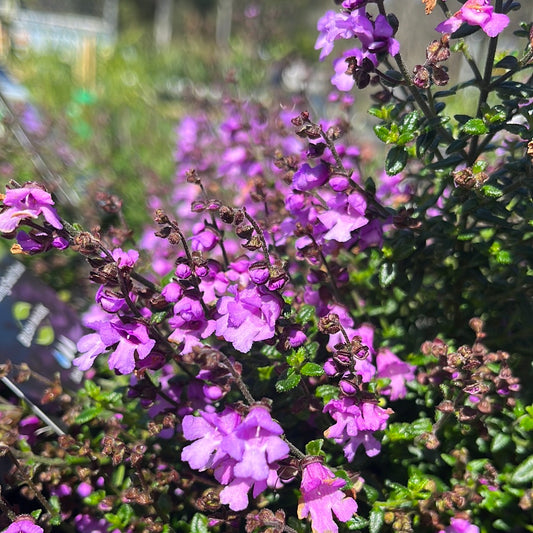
(485, 85)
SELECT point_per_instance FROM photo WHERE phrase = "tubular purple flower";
(460, 525)
(476, 13)
(399, 372)
(321, 497)
(255, 445)
(23, 525)
(27, 202)
(355, 425)
(250, 315)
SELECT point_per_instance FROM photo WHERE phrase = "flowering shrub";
(257, 362)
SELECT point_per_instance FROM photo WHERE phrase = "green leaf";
(508, 62)
(382, 133)
(95, 497)
(311, 369)
(409, 122)
(524, 472)
(387, 274)
(327, 392)
(375, 520)
(288, 383)
(406, 431)
(265, 372)
(475, 126)
(305, 313)
(479, 166)
(371, 493)
(490, 191)
(396, 160)
(92, 389)
(158, 317)
(117, 478)
(503, 257)
(88, 414)
(199, 524)
(500, 441)
(356, 523)
(404, 138)
(314, 447)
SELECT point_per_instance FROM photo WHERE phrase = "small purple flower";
(333, 26)
(250, 315)
(377, 37)
(125, 259)
(321, 497)
(355, 425)
(23, 525)
(476, 13)
(28, 427)
(345, 214)
(189, 323)
(84, 489)
(88, 524)
(203, 239)
(110, 300)
(307, 178)
(207, 432)
(256, 444)
(460, 525)
(399, 372)
(133, 338)
(37, 242)
(27, 202)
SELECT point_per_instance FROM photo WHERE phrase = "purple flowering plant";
(257, 360)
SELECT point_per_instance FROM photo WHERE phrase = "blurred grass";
(121, 121)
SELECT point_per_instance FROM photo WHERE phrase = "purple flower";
(355, 425)
(28, 428)
(250, 315)
(256, 444)
(189, 324)
(307, 178)
(23, 525)
(131, 338)
(333, 26)
(110, 300)
(476, 13)
(27, 202)
(254, 447)
(390, 366)
(354, 4)
(88, 524)
(345, 214)
(460, 525)
(321, 497)
(125, 259)
(207, 432)
(376, 37)
(37, 242)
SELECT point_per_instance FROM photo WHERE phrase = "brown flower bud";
(253, 244)
(192, 176)
(421, 77)
(244, 231)
(226, 214)
(329, 324)
(439, 76)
